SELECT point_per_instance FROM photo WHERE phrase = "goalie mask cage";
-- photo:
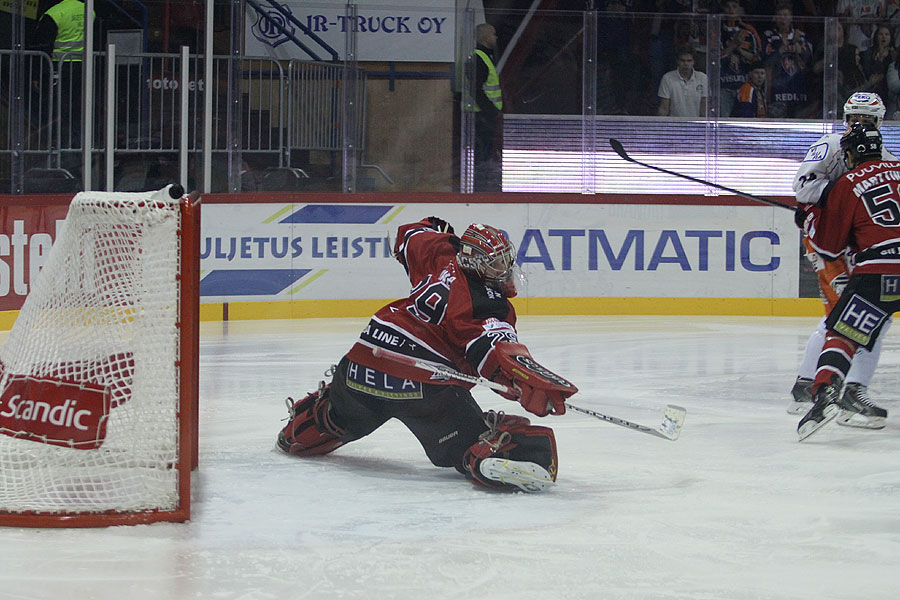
(98, 386)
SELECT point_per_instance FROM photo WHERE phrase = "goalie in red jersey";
(457, 315)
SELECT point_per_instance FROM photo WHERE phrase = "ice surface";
(735, 509)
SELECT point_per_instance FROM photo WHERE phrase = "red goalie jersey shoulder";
(447, 318)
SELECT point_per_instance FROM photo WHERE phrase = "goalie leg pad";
(494, 419)
(310, 429)
(515, 457)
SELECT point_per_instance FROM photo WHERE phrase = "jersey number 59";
(881, 203)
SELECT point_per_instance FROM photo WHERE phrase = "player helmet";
(486, 253)
(861, 143)
(866, 104)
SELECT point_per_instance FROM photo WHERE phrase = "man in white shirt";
(683, 91)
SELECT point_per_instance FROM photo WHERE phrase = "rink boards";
(321, 255)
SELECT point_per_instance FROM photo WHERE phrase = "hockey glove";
(440, 224)
(800, 215)
(538, 389)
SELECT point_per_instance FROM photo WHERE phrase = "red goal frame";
(188, 417)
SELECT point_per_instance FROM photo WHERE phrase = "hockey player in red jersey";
(457, 315)
(861, 211)
(822, 166)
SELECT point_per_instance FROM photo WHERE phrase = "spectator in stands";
(815, 8)
(788, 56)
(860, 34)
(850, 76)
(488, 104)
(662, 36)
(617, 76)
(683, 91)
(751, 97)
(741, 47)
(892, 12)
(892, 100)
(668, 33)
(875, 61)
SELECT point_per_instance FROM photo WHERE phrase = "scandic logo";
(55, 412)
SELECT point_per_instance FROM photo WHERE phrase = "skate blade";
(829, 413)
(527, 476)
(852, 419)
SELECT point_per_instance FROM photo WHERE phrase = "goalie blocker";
(540, 390)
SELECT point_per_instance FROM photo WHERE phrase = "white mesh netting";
(103, 311)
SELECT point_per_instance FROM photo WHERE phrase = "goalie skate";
(527, 476)
(857, 410)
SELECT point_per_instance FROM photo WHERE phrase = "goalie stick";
(620, 150)
(669, 429)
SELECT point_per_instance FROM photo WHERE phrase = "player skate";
(824, 410)
(802, 396)
(857, 410)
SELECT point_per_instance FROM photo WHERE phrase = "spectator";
(892, 100)
(683, 91)
(860, 34)
(691, 34)
(875, 61)
(751, 97)
(850, 76)
(668, 33)
(815, 8)
(892, 12)
(741, 47)
(789, 57)
(616, 64)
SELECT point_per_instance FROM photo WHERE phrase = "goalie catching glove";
(538, 389)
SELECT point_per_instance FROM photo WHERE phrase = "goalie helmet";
(867, 104)
(486, 253)
(861, 143)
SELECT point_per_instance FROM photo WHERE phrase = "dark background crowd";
(776, 59)
(639, 40)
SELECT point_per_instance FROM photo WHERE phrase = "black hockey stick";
(620, 150)
(669, 429)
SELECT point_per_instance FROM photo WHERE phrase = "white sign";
(254, 252)
(386, 30)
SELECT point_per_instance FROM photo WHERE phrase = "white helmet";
(865, 103)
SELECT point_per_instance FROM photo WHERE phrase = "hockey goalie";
(457, 315)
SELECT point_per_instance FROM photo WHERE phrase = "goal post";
(99, 374)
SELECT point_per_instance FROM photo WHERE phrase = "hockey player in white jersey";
(821, 167)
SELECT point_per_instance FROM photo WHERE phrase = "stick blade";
(673, 419)
(619, 148)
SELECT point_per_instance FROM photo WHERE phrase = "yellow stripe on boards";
(308, 309)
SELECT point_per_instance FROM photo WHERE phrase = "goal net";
(98, 377)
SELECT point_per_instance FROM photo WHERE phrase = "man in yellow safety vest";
(61, 33)
(487, 106)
